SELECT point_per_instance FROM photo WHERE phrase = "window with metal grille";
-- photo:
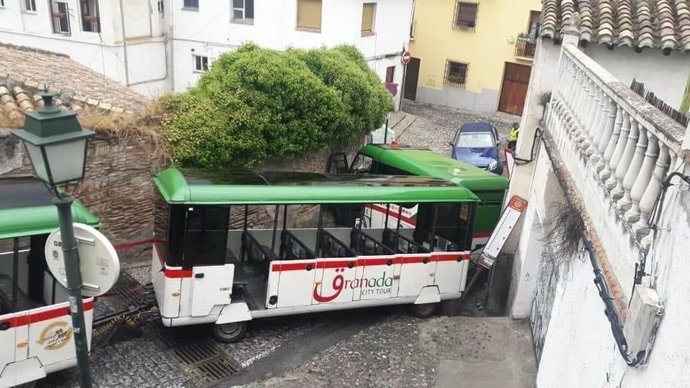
(368, 18)
(243, 11)
(60, 12)
(191, 4)
(29, 5)
(90, 18)
(200, 63)
(465, 16)
(309, 15)
(456, 73)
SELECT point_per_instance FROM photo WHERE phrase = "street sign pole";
(405, 59)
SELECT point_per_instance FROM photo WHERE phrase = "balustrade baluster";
(594, 101)
(648, 200)
(583, 98)
(599, 159)
(643, 179)
(605, 172)
(634, 170)
(624, 165)
(618, 153)
(602, 112)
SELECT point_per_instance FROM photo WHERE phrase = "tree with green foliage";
(255, 104)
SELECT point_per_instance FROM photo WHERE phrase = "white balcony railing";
(608, 135)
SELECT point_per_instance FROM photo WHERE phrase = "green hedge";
(255, 104)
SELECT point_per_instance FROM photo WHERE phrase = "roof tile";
(663, 24)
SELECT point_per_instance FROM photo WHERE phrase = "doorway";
(514, 88)
(411, 79)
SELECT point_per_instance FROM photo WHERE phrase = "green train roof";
(26, 209)
(425, 162)
(243, 188)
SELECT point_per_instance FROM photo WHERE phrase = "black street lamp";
(57, 146)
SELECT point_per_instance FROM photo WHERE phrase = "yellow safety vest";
(513, 134)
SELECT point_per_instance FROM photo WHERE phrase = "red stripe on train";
(41, 316)
(177, 273)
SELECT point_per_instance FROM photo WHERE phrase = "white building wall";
(580, 351)
(209, 31)
(665, 75)
(144, 65)
(154, 64)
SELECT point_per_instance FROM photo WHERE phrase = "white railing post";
(606, 135)
(605, 171)
(633, 170)
(643, 179)
(599, 123)
(618, 153)
(624, 164)
(653, 190)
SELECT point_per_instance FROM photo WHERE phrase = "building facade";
(600, 259)
(123, 40)
(157, 46)
(475, 55)
(201, 30)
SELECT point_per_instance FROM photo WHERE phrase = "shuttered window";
(309, 15)
(368, 18)
(465, 16)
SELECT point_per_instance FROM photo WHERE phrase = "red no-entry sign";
(406, 57)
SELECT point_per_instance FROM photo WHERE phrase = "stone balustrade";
(618, 148)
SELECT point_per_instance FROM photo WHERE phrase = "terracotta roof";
(662, 24)
(24, 72)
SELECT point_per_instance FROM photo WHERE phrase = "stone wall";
(117, 186)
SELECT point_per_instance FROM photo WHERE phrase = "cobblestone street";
(435, 126)
(384, 347)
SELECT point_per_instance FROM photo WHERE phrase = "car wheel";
(230, 332)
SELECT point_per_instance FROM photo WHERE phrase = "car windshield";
(475, 140)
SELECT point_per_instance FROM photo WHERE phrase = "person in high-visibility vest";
(513, 136)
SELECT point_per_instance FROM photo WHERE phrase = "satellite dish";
(99, 264)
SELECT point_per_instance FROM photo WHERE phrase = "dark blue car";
(477, 144)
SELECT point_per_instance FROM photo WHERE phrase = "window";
(90, 20)
(190, 4)
(60, 11)
(200, 63)
(456, 73)
(205, 237)
(309, 15)
(475, 140)
(29, 5)
(368, 18)
(390, 74)
(243, 10)
(465, 16)
(363, 164)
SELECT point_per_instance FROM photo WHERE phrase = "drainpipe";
(124, 42)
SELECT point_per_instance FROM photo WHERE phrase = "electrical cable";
(610, 310)
(654, 218)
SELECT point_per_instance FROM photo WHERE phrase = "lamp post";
(57, 146)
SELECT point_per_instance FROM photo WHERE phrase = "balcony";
(618, 150)
(525, 47)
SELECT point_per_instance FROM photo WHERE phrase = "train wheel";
(424, 310)
(230, 332)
